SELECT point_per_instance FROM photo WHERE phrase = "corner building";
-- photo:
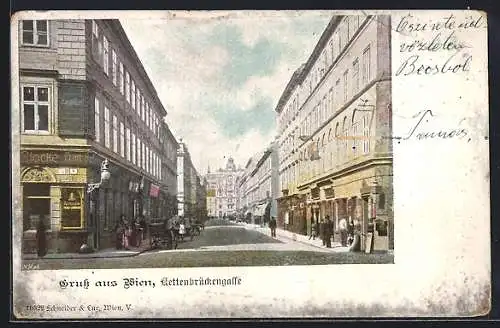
(85, 97)
(334, 125)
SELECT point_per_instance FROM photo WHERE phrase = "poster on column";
(369, 129)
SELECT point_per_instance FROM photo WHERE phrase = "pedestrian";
(328, 231)
(322, 231)
(182, 229)
(41, 238)
(350, 232)
(314, 231)
(343, 231)
(272, 225)
(120, 232)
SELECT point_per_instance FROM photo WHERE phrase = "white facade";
(258, 186)
(222, 194)
(180, 180)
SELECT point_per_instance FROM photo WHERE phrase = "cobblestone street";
(221, 244)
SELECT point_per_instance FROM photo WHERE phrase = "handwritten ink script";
(420, 130)
(433, 37)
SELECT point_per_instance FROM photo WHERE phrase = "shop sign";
(51, 157)
(329, 193)
(154, 190)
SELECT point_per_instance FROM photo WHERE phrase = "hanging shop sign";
(154, 190)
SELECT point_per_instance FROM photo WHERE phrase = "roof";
(120, 32)
(301, 73)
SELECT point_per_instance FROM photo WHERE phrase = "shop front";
(53, 190)
(292, 213)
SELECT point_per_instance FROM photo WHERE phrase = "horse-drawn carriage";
(161, 236)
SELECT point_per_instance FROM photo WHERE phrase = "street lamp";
(105, 176)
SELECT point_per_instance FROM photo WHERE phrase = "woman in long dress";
(182, 230)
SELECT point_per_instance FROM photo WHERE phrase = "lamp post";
(105, 175)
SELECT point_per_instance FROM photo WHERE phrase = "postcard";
(250, 164)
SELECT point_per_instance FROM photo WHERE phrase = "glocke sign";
(44, 157)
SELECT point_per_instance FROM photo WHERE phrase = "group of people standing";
(325, 230)
(130, 233)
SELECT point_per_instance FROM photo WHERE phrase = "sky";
(220, 78)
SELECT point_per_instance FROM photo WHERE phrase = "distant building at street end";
(258, 187)
(190, 191)
(221, 190)
(334, 126)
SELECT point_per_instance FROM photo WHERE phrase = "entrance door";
(365, 220)
(36, 205)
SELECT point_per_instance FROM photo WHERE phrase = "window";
(143, 156)
(35, 32)
(140, 110)
(122, 85)
(154, 165)
(366, 65)
(127, 86)
(139, 152)
(133, 149)
(107, 130)
(331, 107)
(346, 86)
(72, 208)
(332, 52)
(355, 75)
(115, 134)
(143, 111)
(97, 120)
(366, 135)
(138, 98)
(355, 139)
(36, 203)
(105, 58)
(159, 173)
(96, 42)
(114, 68)
(132, 95)
(127, 145)
(36, 102)
(147, 116)
(122, 139)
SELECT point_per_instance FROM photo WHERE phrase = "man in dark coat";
(272, 225)
(328, 232)
(322, 231)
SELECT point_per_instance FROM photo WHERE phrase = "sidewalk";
(291, 236)
(103, 253)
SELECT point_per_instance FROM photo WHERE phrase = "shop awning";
(260, 210)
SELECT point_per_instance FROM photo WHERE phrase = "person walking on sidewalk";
(343, 231)
(322, 231)
(328, 232)
(272, 225)
(314, 231)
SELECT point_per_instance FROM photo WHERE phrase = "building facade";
(335, 123)
(169, 145)
(85, 97)
(222, 190)
(258, 187)
(191, 193)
